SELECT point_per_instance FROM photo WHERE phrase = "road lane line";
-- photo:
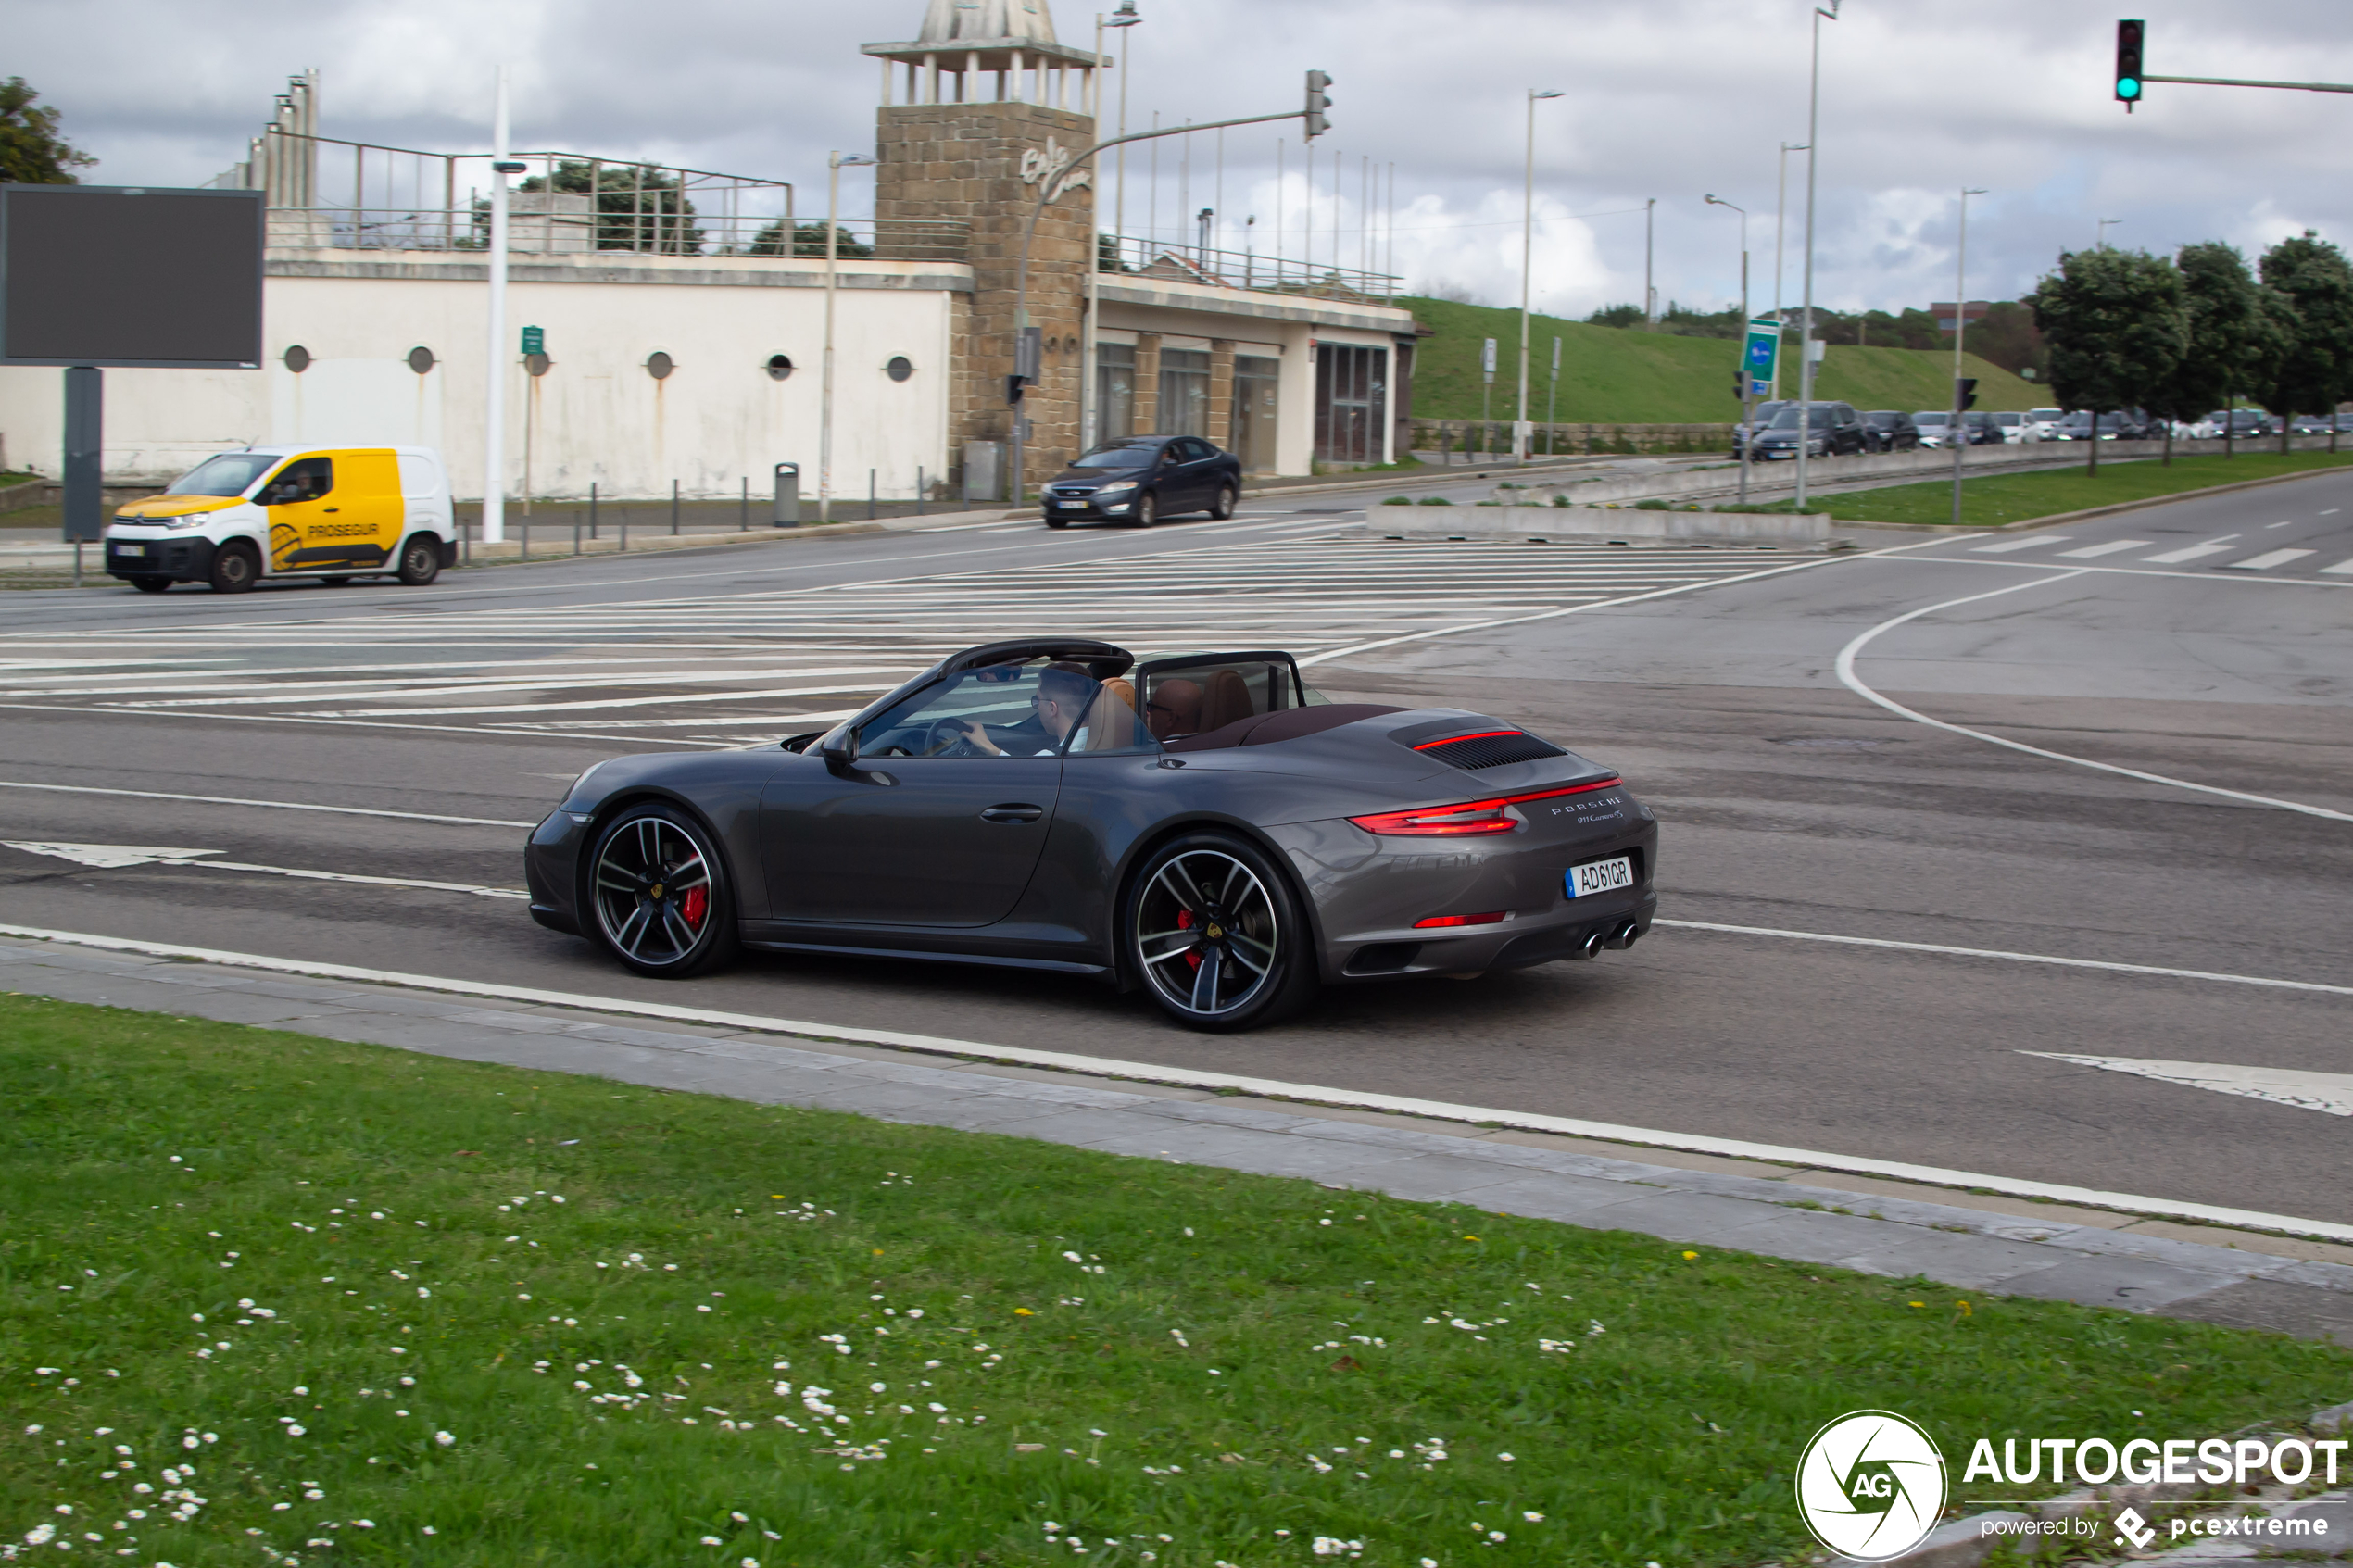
(2109, 549)
(2193, 552)
(2344, 568)
(1194, 1078)
(151, 715)
(270, 805)
(82, 854)
(1854, 683)
(2267, 559)
(2003, 547)
(1949, 951)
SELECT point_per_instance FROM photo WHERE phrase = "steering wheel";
(946, 737)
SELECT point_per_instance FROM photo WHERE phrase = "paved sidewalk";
(1990, 1243)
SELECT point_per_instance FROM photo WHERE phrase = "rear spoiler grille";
(1489, 748)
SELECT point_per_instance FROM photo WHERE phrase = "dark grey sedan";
(1199, 827)
(1142, 479)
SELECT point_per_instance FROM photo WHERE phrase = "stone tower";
(979, 117)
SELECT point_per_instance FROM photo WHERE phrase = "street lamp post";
(494, 413)
(1089, 415)
(1520, 428)
(834, 164)
(2100, 243)
(1956, 432)
(1780, 226)
(1806, 326)
(1748, 391)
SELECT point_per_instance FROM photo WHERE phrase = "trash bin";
(984, 472)
(787, 514)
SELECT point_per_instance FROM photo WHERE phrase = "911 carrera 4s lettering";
(1202, 828)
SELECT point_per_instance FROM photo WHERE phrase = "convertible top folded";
(1284, 724)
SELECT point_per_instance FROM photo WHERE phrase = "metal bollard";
(919, 490)
(576, 534)
(674, 508)
(743, 512)
(870, 494)
(523, 533)
(625, 528)
(592, 508)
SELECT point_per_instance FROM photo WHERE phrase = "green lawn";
(1612, 375)
(2011, 498)
(438, 1314)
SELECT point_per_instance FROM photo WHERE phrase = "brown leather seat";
(1111, 718)
(1225, 700)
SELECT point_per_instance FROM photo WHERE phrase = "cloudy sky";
(1670, 99)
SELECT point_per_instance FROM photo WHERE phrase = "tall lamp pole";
(2105, 224)
(1780, 226)
(1747, 386)
(834, 164)
(1958, 433)
(493, 412)
(1520, 427)
(1805, 327)
(1090, 414)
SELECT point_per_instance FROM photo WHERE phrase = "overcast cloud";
(1670, 99)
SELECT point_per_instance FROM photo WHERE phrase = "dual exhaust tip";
(1619, 937)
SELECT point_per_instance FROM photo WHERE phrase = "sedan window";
(1116, 457)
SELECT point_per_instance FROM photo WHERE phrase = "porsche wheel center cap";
(1214, 932)
(655, 891)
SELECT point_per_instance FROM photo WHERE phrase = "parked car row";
(1836, 428)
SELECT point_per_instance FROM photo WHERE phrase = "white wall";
(596, 416)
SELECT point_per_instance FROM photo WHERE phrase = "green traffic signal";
(2131, 36)
(2126, 87)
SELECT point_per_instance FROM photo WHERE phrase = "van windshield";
(231, 473)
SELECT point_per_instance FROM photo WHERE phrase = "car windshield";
(1926, 418)
(231, 473)
(1116, 457)
(1787, 418)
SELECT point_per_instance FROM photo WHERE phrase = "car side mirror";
(840, 756)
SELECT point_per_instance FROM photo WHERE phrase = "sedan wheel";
(1217, 936)
(660, 892)
(1225, 506)
(1147, 510)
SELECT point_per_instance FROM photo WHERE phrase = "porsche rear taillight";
(1493, 917)
(1469, 818)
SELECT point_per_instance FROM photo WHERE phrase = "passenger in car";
(1175, 709)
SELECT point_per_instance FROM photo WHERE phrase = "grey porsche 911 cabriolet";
(1202, 827)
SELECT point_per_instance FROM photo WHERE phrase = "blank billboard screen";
(97, 275)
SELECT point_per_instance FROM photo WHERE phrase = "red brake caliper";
(694, 906)
(1185, 923)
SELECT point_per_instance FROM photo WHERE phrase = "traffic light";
(2129, 36)
(1012, 389)
(1319, 100)
(1740, 385)
(1967, 397)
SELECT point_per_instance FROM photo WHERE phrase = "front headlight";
(1121, 488)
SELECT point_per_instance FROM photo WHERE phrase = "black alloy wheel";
(236, 566)
(420, 560)
(659, 894)
(151, 584)
(1215, 933)
(1226, 496)
(1146, 512)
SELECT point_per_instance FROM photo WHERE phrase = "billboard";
(130, 276)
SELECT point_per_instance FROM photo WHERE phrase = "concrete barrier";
(1596, 525)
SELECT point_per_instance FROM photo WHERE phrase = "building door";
(1115, 391)
(1184, 391)
(1351, 403)
(1256, 381)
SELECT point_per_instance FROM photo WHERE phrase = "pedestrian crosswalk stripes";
(723, 668)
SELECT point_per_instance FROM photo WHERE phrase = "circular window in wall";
(900, 367)
(1054, 345)
(298, 358)
(420, 359)
(779, 366)
(659, 365)
(536, 363)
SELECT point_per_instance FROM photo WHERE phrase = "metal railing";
(1141, 258)
(561, 224)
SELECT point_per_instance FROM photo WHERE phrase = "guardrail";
(1143, 258)
(559, 224)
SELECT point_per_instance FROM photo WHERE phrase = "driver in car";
(1058, 707)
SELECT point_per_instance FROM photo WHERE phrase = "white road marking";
(116, 856)
(1845, 666)
(2290, 523)
(2193, 552)
(1193, 1078)
(2109, 549)
(2003, 547)
(2267, 560)
(2343, 568)
(2330, 1093)
(2328, 511)
(274, 805)
(1949, 951)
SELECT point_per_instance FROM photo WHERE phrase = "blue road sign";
(1763, 348)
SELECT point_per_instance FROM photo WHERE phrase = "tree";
(32, 152)
(2312, 371)
(638, 206)
(2228, 330)
(808, 239)
(2116, 328)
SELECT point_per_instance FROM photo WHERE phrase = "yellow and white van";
(328, 512)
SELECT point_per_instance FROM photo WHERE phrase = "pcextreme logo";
(1871, 1485)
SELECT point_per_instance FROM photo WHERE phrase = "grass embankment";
(1993, 499)
(1612, 375)
(437, 1313)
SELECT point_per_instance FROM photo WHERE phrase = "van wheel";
(151, 584)
(236, 566)
(420, 560)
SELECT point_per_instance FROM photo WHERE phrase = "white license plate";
(1600, 876)
(131, 549)
(1076, 505)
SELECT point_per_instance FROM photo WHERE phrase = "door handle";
(331, 508)
(1014, 813)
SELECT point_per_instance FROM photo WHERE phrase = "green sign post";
(534, 340)
(1762, 354)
